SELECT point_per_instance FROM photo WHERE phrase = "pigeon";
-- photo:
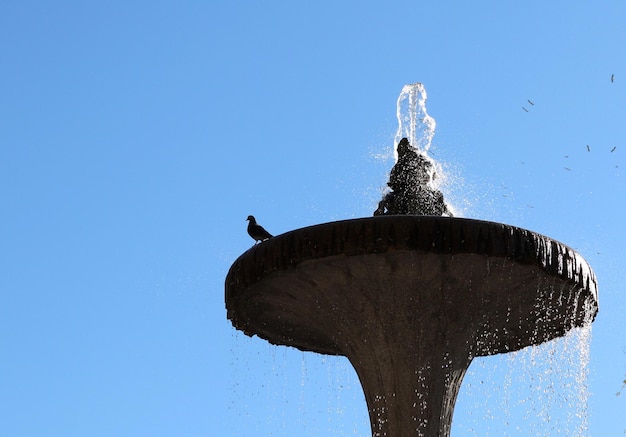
(530, 101)
(588, 148)
(257, 231)
(613, 149)
(612, 77)
(524, 109)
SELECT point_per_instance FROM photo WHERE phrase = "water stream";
(541, 390)
(414, 122)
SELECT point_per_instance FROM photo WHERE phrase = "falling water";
(541, 390)
(331, 399)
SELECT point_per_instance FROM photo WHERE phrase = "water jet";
(410, 299)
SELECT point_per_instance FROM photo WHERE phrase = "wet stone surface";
(410, 182)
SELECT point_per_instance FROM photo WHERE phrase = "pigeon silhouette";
(257, 231)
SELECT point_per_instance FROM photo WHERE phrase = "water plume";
(414, 123)
(413, 180)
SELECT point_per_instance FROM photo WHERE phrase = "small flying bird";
(524, 109)
(613, 149)
(529, 101)
(567, 168)
(612, 78)
(257, 231)
(588, 148)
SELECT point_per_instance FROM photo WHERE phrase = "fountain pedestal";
(410, 300)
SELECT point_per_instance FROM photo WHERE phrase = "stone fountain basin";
(499, 287)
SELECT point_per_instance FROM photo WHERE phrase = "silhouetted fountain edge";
(410, 296)
(431, 234)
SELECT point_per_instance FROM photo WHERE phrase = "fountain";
(410, 300)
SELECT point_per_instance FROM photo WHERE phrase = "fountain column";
(411, 384)
(410, 300)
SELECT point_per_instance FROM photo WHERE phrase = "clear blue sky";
(136, 137)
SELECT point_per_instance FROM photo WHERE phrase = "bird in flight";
(588, 148)
(257, 231)
(613, 149)
(524, 109)
(612, 77)
(530, 101)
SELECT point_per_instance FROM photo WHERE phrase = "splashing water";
(418, 127)
(541, 390)
(414, 122)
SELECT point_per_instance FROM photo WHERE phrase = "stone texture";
(410, 300)
(411, 184)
